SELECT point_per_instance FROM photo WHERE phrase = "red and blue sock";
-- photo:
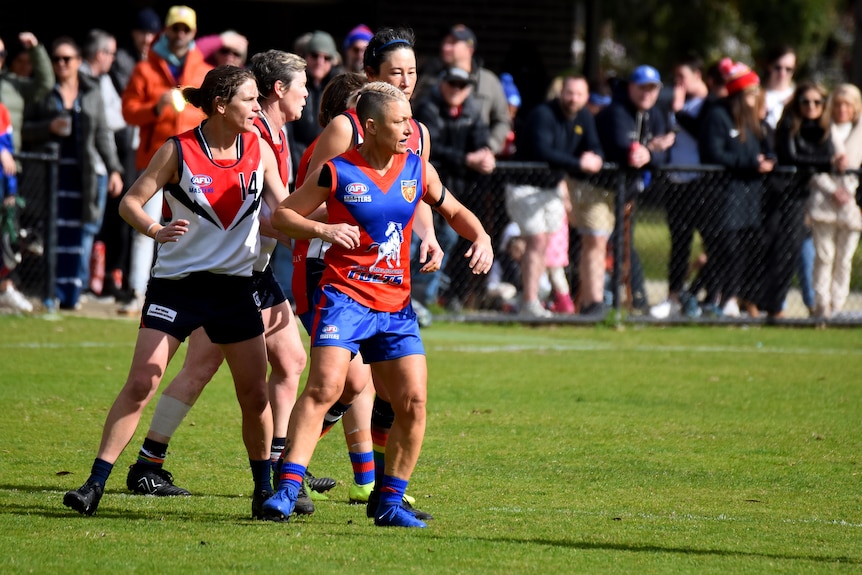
(363, 467)
(290, 478)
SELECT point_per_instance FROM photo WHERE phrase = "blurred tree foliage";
(660, 31)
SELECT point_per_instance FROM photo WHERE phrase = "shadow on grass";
(109, 506)
(55, 509)
(689, 551)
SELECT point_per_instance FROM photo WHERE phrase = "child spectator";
(9, 296)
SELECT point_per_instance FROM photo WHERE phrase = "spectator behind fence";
(635, 134)
(99, 51)
(780, 68)
(503, 286)
(230, 48)
(717, 90)
(458, 49)
(460, 153)
(559, 298)
(835, 217)
(561, 132)
(513, 99)
(20, 62)
(731, 137)
(73, 116)
(323, 64)
(152, 102)
(683, 200)
(11, 256)
(779, 87)
(801, 140)
(354, 46)
(16, 91)
(556, 279)
(145, 27)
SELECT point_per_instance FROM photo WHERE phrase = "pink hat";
(361, 32)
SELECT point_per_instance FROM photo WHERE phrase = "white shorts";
(593, 210)
(535, 210)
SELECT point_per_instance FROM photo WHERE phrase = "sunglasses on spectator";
(229, 52)
(458, 85)
(816, 103)
(2, 54)
(63, 59)
(318, 56)
(779, 68)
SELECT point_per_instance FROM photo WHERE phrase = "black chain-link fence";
(691, 204)
(763, 215)
(36, 241)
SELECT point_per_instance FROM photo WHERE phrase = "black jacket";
(619, 124)
(549, 136)
(452, 137)
(735, 197)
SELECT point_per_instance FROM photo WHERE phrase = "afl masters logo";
(357, 193)
(201, 184)
(408, 190)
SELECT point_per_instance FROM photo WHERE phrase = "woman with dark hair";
(281, 88)
(731, 136)
(801, 140)
(215, 178)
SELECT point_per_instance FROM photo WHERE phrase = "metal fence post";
(53, 151)
(619, 251)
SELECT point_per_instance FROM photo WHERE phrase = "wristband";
(150, 228)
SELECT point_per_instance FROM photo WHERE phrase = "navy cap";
(463, 34)
(148, 21)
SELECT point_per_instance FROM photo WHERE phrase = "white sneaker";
(16, 300)
(665, 309)
(534, 309)
(423, 315)
(132, 307)
(731, 308)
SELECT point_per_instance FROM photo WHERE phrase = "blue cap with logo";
(643, 75)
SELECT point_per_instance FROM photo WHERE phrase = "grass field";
(708, 450)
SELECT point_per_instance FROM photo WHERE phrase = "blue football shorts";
(380, 335)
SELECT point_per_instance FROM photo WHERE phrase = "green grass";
(548, 450)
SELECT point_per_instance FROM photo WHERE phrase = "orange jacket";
(149, 80)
